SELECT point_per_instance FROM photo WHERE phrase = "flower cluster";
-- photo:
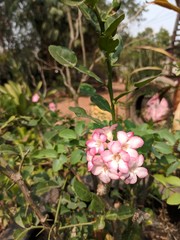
(112, 159)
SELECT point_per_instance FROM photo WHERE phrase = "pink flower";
(135, 170)
(52, 107)
(108, 131)
(35, 97)
(129, 142)
(97, 141)
(101, 169)
(156, 109)
(116, 158)
(89, 156)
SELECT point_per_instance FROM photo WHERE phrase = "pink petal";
(113, 165)
(130, 134)
(107, 155)
(98, 161)
(131, 179)
(122, 137)
(115, 147)
(96, 170)
(141, 172)
(140, 160)
(123, 167)
(104, 177)
(90, 166)
(132, 152)
(164, 103)
(113, 176)
(135, 142)
(124, 156)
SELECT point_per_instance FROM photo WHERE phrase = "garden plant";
(83, 178)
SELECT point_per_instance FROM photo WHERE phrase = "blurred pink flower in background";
(35, 97)
(52, 107)
(115, 159)
(156, 109)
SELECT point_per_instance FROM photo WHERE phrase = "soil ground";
(64, 103)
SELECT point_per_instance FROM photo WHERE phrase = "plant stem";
(109, 68)
(110, 89)
(16, 178)
(77, 225)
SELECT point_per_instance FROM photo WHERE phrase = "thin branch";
(16, 178)
(82, 37)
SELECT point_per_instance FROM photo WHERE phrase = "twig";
(16, 178)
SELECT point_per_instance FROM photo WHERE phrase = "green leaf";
(90, 16)
(162, 147)
(125, 212)
(80, 112)
(27, 171)
(96, 205)
(92, 3)
(79, 128)
(63, 55)
(86, 71)
(160, 178)
(18, 220)
(112, 23)
(172, 167)
(44, 187)
(99, 224)
(58, 163)
(108, 44)
(60, 148)
(11, 119)
(173, 180)
(165, 194)
(116, 4)
(45, 153)
(115, 55)
(167, 135)
(123, 94)
(81, 190)
(87, 89)
(174, 199)
(101, 102)
(8, 149)
(72, 205)
(68, 134)
(76, 156)
(19, 234)
(144, 81)
(73, 2)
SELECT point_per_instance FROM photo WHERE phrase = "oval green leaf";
(174, 199)
(173, 180)
(63, 55)
(86, 71)
(76, 156)
(68, 134)
(101, 102)
(144, 81)
(96, 205)
(80, 112)
(81, 190)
